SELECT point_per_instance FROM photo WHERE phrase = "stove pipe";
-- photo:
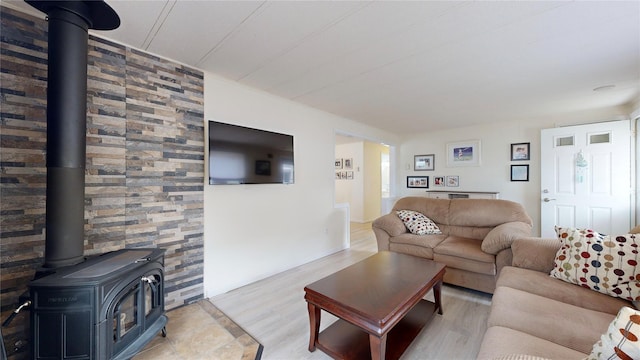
(69, 22)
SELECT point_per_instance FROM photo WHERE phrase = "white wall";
(254, 231)
(494, 172)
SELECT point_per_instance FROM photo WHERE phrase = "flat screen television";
(242, 155)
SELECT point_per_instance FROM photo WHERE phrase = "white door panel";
(566, 215)
(586, 178)
(564, 174)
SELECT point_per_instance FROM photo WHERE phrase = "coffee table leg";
(378, 346)
(314, 323)
(436, 296)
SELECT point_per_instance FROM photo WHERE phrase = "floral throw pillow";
(604, 263)
(620, 342)
(417, 223)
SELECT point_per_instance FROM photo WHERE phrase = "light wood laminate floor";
(274, 312)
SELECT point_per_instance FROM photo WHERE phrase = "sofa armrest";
(501, 237)
(387, 226)
(391, 224)
(535, 253)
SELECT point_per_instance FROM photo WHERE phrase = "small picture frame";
(520, 151)
(421, 182)
(438, 181)
(463, 153)
(453, 181)
(349, 175)
(348, 163)
(338, 164)
(519, 172)
(424, 162)
(338, 177)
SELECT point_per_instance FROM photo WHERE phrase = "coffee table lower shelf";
(342, 340)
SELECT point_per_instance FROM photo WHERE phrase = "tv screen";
(242, 155)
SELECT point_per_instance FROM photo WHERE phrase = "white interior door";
(586, 178)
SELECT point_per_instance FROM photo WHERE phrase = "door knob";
(547, 199)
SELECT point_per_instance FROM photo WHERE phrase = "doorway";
(363, 176)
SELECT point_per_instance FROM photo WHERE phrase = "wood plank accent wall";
(144, 170)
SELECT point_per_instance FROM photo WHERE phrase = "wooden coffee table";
(379, 305)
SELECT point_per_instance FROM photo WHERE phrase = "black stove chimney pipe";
(66, 122)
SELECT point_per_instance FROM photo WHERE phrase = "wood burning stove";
(107, 307)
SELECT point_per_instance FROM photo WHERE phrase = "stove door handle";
(149, 280)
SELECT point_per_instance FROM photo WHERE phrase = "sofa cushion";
(542, 284)
(415, 250)
(429, 241)
(621, 341)
(437, 209)
(464, 248)
(564, 324)
(418, 223)
(607, 264)
(418, 245)
(485, 212)
(503, 341)
(465, 254)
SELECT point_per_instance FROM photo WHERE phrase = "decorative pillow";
(607, 264)
(621, 339)
(417, 223)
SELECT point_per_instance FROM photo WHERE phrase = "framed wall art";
(348, 163)
(338, 164)
(463, 153)
(438, 181)
(453, 181)
(418, 182)
(519, 172)
(424, 162)
(520, 151)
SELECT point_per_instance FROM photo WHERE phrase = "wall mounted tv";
(242, 155)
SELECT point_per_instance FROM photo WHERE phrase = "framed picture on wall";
(520, 151)
(519, 172)
(463, 153)
(338, 163)
(424, 162)
(418, 182)
(438, 181)
(453, 181)
(348, 163)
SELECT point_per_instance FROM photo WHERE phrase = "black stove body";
(108, 307)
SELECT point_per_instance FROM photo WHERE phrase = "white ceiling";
(404, 66)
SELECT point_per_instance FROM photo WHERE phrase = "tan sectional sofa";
(475, 240)
(538, 315)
